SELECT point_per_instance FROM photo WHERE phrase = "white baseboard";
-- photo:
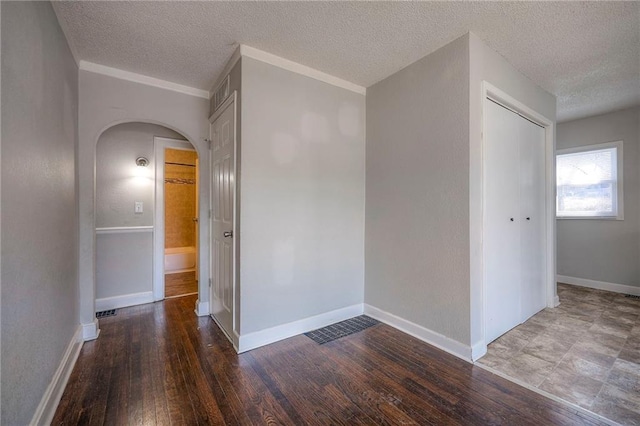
(599, 285)
(478, 350)
(49, 402)
(254, 340)
(431, 337)
(90, 331)
(556, 301)
(124, 301)
(202, 308)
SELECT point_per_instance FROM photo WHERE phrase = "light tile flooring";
(585, 351)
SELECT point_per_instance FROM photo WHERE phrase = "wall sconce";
(142, 162)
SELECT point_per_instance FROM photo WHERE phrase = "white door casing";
(514, 220)
(160, 144)
(223, 196)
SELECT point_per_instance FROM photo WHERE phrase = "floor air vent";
(341, 329)
(632, 296)
(109, 313)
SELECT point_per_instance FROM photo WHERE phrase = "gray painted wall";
(124, 264)
(486, 64)
(417, 198)
(598, 249)
(124, 261)
(117, 183)
(105, 101)
(39, 218)
(302, 197)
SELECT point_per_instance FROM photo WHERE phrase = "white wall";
(488, 65)
(124, 260)
(598, 249)
(302, 197)
(39, 216)
(417, 210)
(105, 101)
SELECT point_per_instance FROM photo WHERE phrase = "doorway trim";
(159, 146)
(488, 91)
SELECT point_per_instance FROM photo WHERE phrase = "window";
(589, 180)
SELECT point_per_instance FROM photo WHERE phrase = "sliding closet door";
(501, 240)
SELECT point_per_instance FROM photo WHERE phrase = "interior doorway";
(176, 242)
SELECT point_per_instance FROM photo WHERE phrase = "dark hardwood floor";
(180, 284)
(160, 364)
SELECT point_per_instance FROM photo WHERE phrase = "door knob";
(227, 234)
(195, 219)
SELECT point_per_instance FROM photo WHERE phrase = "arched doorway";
(126, 218)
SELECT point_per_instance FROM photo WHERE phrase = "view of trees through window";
(587, 182)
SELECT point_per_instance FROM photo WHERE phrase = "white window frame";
(619, 182)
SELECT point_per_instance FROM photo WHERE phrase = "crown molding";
(142, 79)
(297, 68)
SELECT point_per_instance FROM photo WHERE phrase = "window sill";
(590, 217)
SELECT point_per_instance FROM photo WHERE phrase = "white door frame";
(502, 98)
(159, 145)
(232, 99)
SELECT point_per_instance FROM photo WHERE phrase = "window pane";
(587, 183)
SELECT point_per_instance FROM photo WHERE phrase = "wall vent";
(221, 94)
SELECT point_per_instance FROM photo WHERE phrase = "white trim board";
(260, 338)
(429, 336)
(123, 301)
(124, 229)
(160, 144)
(91, 330)
(142, 79)
(277, 61)
(202, 308)
(599, 285)
(49, 403)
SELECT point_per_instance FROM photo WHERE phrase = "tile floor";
(585, 351)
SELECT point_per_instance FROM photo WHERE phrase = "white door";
(223, 137)
(532, 214)
(502, 219)
(514, 232)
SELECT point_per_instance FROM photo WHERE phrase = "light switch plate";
(138, 207)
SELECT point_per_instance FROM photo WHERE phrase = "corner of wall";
(49, 403)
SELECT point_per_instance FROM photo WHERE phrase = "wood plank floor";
(160, 364)
(180, 284)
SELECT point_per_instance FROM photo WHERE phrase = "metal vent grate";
(221, 94)
(341, 329)
(632, 296)
(109, 313)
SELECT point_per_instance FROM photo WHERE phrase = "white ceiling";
(586, 53)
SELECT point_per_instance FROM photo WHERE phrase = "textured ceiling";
(586, 53)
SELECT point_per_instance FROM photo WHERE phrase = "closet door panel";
(532, 211)
(502, 272)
